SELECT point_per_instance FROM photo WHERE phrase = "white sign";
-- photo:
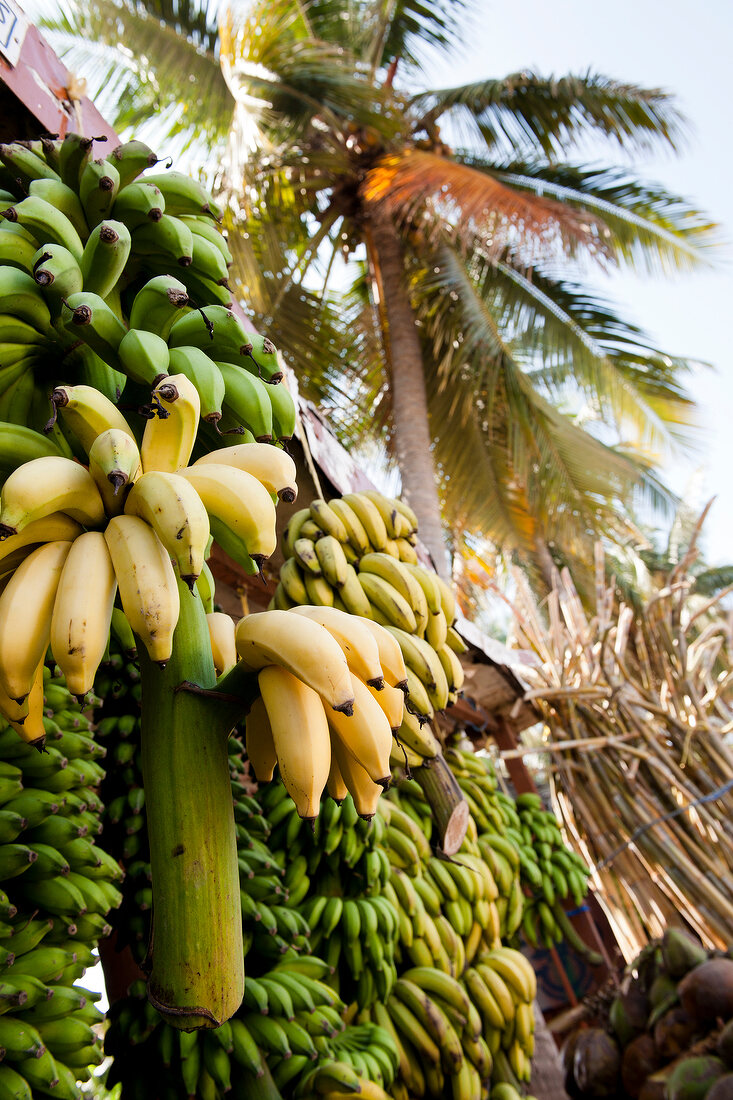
(13, 25)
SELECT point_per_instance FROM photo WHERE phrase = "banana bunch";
(340, 870)
(523, 844)
(76, 536)
(58, 887)
(356, 554)
(86, 250)
(330, 701)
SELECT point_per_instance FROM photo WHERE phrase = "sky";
(684, 49)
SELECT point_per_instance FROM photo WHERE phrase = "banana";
(392, 702)
(27, 719)
(183, 194)
(387, 509)
(223, 646)
(24, 163)
(364, 791)
(247, 400)
(143, 356)
(216, 330)
(48, 224)
(82, 611)
(169, 436)
(238, 503)
(515, 969)
(284, 412)
(259, 742)
(46, 485)
(390, 655)
(499, 990)
(395, 573)
(332, 561)
(406, 552)
(263, 354)
(147, 583)
(138, 203)
(418, 701)
(205, 586)
(436, 631)
(423, 660)
(26, 606)
(353, 595)
(88, 413)
(130, 159)
(114, 463)
(159, 304)
(21, 297)
(270, 465)
(208, 259)
(300, 735)
(99, 183)
(57, 527)
(15, 331)
(328, 521)
(74, 153)
(92, 320)
(305, 554)
(168, 238)
(336, 787)
(18, 251)
(204, 227)
(175, 511)
(366, 734)
(385, 597)
(356, 535)
(58, 274)
(370, 519)
(292, 582)
(418, 737)
(447, 600)
(355, 639)
(309, 652)
(452, 667)
(205, 376)
(106, 252)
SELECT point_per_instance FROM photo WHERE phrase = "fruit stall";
(251, 754)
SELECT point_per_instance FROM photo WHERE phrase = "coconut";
(654, 1088)
(674, 1033)
(722, 1089)
(596, 1063)
(681, 952)
(641, 1058)
(628, 1014)
(724, 1045)
(707, 991)
(692, 1078)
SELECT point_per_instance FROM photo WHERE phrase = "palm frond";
(711, 581)
(414, 26)
(640, 223)
(552, 114)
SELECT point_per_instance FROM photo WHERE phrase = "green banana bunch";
(57, 889)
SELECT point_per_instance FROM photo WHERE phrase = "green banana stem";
(196, 954)
(447, 803)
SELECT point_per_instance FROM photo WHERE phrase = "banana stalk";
(195, 956)
(447, 803)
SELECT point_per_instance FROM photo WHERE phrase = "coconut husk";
(706, 992)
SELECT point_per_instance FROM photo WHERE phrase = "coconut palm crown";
(517, 403)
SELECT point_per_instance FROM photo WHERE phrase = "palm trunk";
(412, 436)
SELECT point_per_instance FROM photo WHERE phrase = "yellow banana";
(406, 551)
(223, 648)
(418, 701)
(175, 511)
(259, 743)
(362, 788)
(300, 735)
(29, 725)
(436, 630)
(515, 969)
(82, 611)
(26, 606)
(332, 560)
(369, 518)
(354, 637)
(147, 583)
(390, 655)
(353, 595)
(424, 661)
(452, 667)
(270, 465)
(58, 527)
(418, 736)
(395, 573)
(88, 413)
(447, 600)
(170, 434)
(335, 785)
(386, 599)
(301, 646)
(319, 591)
(428, 581)
(46, 485)
(305, 554)
(291, 578)
(387, 509)
(366, 734)
(392, 702)
(238, 503)
(357, 536)
(114, 463)
(324, 515)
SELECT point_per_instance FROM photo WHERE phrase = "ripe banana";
(147, 583)
(300, 735)
(82, 611)
(223, 646)
(386, 599)
(175, 511)
(306, 649)
(362, 788)
(366, 734)
(88, 413)
(369, 517)
(114, 463)
(169, 436)
(46, 485)
(238, 503)
(259, 742)
(26, 606)
(355, 639)
(270, 465)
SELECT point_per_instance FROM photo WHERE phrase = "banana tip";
(6, 531)
(190, 579)
(288, 495)
(385, 782)
(346, 708)
(377, 682)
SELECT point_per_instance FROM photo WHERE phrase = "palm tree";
(467, 338)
